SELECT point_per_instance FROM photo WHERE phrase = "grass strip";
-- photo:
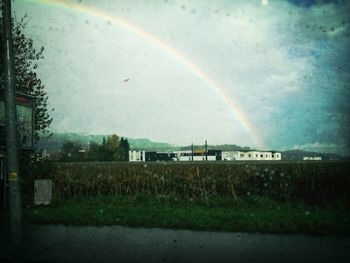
(220, 214)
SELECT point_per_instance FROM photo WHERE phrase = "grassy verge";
(220, 214)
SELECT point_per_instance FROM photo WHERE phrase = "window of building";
(249, 155)
(261, 155)
(241, 155)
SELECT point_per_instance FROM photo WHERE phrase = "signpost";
(25, 106)
(11, 155)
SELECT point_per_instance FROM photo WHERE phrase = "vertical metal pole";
(15, 205)
(192, 152)
(206, 150)
(4, 190)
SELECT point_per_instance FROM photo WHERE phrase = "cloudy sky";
(271, 74)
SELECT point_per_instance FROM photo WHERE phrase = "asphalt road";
(122, 244)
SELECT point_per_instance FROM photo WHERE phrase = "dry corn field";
(310, 182)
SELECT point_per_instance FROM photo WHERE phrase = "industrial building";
(197, 155)
(203, 155)
(251, 156)
(143, 156)
(312, 158)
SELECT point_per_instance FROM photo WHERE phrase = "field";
(270, 197)
(309, 182)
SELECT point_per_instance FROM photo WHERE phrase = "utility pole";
(11, 157)
(206, 150)
(192, 152)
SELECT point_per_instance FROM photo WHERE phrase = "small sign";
(42, 191)
(13, 177)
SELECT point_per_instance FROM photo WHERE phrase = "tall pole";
(206, 150)
(192, 152)
(15, 205)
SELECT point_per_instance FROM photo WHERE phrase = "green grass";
(219, 214)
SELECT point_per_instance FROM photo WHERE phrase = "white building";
(206, 155)
(312, 158)
(137, 156)
(250, 156)
(277, 156)
(198, 155)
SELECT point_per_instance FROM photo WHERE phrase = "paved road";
(122, 244)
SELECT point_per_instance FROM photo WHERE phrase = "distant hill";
(223, 147)
(146, 144)
(55, 142)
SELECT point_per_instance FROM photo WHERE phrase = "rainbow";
(165, 47)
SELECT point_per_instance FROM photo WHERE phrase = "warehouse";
(203, 155)
(251, 156)
(142, 156)
(197, 155)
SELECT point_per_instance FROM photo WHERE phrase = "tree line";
(111, 149)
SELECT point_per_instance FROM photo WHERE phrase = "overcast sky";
(133, 70)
